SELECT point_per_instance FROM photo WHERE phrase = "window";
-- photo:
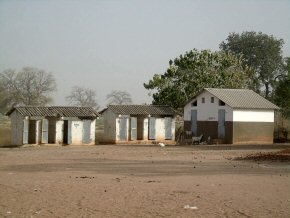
(221, 103)
(212, 99)
(203, 100)
(194, 104)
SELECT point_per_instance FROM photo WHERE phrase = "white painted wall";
(207, 111)
(240, 115)
(16, 128)
(118, 126)
(77, 132)
(59, 132)
(160, 129)
(109, 126)
(38, 131)
(112, 126)
(93, 132)
(145, 128)
(173, 128)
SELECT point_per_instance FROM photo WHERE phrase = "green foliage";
(282, 93)
(263, 53)
(195, 70)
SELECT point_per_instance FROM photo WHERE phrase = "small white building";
(139, 123)
(52, 125)
(234, 116)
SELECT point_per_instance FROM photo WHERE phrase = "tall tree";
(263, 53)
(119, 97)
(83, 97)
(29, 86)
(195, 70)
(282, 92)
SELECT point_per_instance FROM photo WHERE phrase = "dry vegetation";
(283, 155)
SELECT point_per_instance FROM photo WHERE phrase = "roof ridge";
(230, 89)
(32, 106)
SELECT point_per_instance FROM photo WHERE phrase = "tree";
(119, 97)
(83, 97)
(29, 86)
(195, 70)
(282, 92)
(263, 53)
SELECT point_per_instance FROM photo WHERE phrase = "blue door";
(44, 128)
(133, 128)
(168, 127)
(25, 131)
(221, 124)
(87, 131)
(69, 136)
(194, 122)
(152, 130)
(123, 128)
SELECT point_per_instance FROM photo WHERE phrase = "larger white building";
(235, 116)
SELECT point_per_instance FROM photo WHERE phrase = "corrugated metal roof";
(142, 110)
(242, 98)
(55, 111)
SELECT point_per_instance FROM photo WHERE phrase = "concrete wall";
(59, 132)
(207, 111)
(77, 132)
(253, 126)
(93, 132)
(253, 132)
(55, 130)
(241, 125)
(127, 117)
(160, 129)
(207, 117)
(146, 128)
(112, 127)
(246, 115)
(109, 126)
(16, 128)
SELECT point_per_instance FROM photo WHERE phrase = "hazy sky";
(119, 45)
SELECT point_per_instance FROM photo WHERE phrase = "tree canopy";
(119, 97)
(263, 53)
(282, 92)
(29, 86)
(195, 70)
(83, 97)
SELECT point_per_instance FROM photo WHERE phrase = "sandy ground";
(141, 181)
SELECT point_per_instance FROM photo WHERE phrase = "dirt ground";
(142, 181)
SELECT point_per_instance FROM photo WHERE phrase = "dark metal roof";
(142, 110)
(55, 111)
(240, 98)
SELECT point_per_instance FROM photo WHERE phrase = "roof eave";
(255, 108)
(8, 113)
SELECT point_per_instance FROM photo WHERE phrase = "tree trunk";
(267, 90)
